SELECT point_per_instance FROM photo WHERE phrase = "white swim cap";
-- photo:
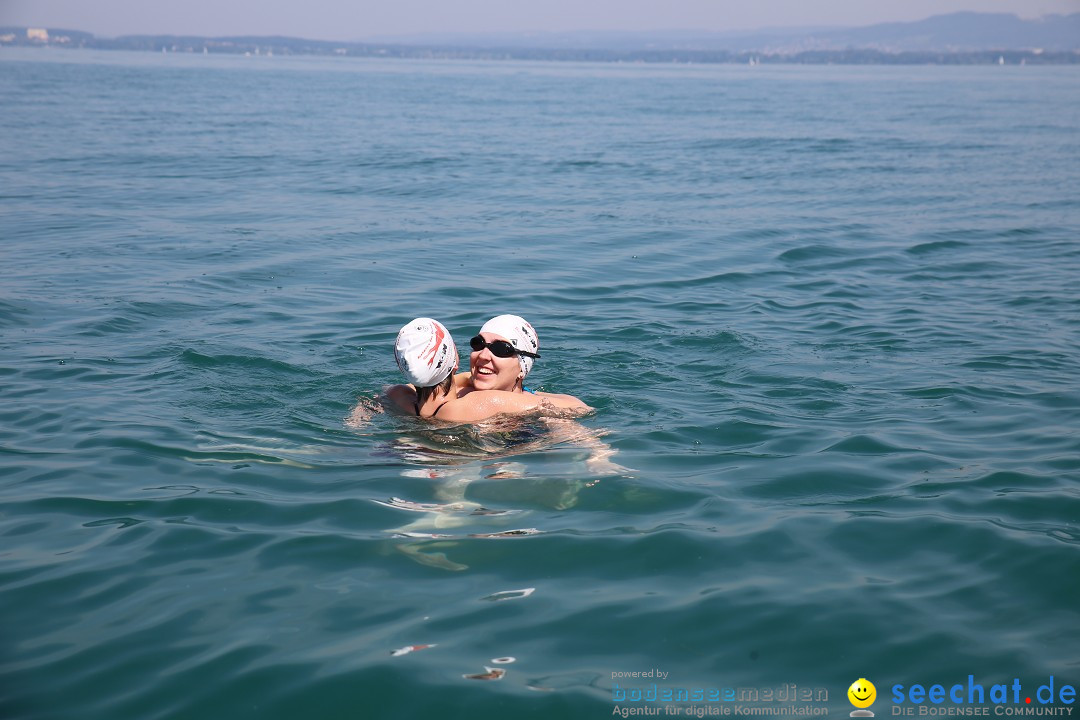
(425, 352)
(520, 334)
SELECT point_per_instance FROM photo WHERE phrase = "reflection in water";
(509, 595)
(455, 457)
(489, 674)
(410, 648)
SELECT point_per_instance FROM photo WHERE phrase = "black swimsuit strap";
(416, 406)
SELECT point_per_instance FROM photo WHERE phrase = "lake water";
(829, 318)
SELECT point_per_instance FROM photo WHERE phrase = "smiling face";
(494, 373)
(862, 693)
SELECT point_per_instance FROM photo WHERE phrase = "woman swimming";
(502, 355)
(427, 357)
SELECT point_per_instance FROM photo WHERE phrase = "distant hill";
(961, 32)
(956, 32)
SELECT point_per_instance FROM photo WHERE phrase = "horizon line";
(386, 38)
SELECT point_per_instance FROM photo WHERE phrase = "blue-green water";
(829, 318)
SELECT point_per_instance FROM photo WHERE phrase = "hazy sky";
(359, 19)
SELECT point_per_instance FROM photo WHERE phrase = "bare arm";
(463, 381)
(599, 461)
(483, 404)
(563, 401)
(366, 408)
(397, 397)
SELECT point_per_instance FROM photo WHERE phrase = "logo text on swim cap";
(439, 335)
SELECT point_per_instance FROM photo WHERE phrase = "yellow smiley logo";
(862, 693)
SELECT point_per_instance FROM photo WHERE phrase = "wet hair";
(423, 393)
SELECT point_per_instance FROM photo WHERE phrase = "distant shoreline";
(270, 46)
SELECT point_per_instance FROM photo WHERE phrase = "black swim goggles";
(498, 348)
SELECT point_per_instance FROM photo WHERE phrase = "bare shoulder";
(402, 397)
(463, 381)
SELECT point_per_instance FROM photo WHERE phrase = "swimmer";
(428, 358)
(502, 355)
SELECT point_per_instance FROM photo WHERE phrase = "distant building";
(39, 34)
